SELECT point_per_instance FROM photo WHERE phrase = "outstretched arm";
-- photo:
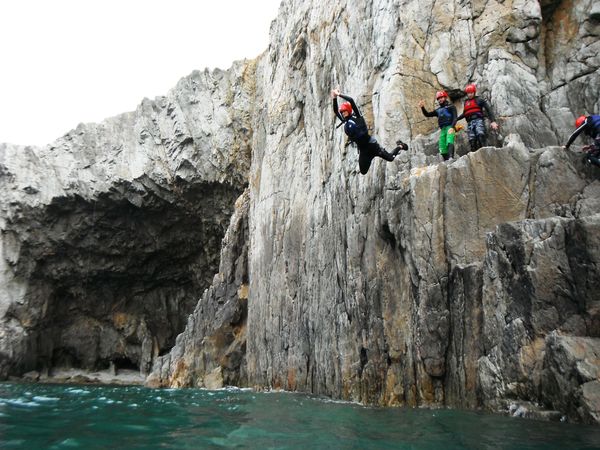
(462, 116)
(336, 111)
(576, 133)
(334, 95)
(424, 111)
(427, 113)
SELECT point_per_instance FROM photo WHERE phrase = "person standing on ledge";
(357, 131)
(473, 112)
(446, 114)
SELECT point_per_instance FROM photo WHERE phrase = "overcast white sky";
(64, 62)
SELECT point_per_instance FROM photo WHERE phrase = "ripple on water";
(41, 398)
(77, 391)
(18, 402)
(68, 443)
(200, 419)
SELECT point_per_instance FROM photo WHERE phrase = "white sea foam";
(41, 398)
(77, 391)
(69, 443)
(18, 402)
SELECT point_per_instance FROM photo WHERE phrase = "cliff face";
(109, 233)
(426, 284)
(471, 283)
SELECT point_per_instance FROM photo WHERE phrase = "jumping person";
(473, 112)
(446, 114)
(356, 129)
(590, 125)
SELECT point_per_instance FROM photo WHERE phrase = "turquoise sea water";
(36, 416)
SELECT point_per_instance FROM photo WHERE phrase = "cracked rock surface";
(110, 232)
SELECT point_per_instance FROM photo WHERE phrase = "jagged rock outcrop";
(211, 351)
(109, 233)
(471, 283)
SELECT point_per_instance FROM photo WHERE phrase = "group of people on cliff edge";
(475, 110)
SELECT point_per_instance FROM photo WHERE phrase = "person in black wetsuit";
(357, 131)
(589, 125)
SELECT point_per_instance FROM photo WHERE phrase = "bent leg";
(377, 150)
(364, 159)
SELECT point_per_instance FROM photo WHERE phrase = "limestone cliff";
(110, 233)
(472, 283)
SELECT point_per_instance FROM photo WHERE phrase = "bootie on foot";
(399, 147)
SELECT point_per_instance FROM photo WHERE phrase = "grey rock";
(421, 283)
(211, 351)
(109, 233)
(571, 382)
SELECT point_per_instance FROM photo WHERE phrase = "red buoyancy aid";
(471, 108)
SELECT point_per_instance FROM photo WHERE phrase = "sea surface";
(38, 416)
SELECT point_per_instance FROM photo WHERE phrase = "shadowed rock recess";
(471, 284)
(110, 233)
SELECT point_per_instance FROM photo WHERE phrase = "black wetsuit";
(356, 129)
(590, 127)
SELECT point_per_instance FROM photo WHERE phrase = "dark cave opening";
(124, 363)
(116, 278)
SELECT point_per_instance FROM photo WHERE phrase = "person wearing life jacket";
(357, 131)
(590, 126)
(446, 114)
(474, 110)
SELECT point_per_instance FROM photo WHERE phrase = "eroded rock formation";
(109, 233)
(471, 283)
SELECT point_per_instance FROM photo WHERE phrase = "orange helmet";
(470, 89)
(580, 121)
(440, 94)
(346, 107)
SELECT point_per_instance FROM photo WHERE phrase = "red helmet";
(346, 107)
(441, 94)
(580, 121)
(470, 89)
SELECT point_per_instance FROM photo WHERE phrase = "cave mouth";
(115, 279)
(124, 363)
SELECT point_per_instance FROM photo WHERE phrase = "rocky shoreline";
(75, 376)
